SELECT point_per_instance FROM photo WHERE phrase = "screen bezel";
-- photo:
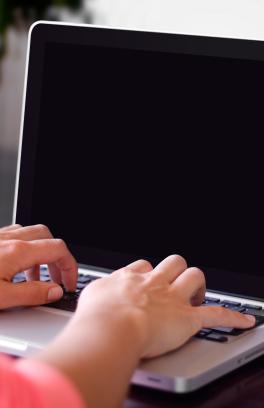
(42, 33)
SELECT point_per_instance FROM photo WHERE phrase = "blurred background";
(228, 18)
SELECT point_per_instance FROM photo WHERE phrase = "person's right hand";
(137, 312)
(164, 303)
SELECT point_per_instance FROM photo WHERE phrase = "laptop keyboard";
(219, 334)
(69, 300)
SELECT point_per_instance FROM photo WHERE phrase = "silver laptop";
(140, 145)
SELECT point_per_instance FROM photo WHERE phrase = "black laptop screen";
(148, 153)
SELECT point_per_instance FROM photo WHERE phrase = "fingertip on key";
(251, 319)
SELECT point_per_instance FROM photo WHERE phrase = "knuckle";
(60, 243)
(179, 258)
(4, 235)
(137, 266)
(14, 247)
(129, 274)
(197, 273)
(146, 263)
(134, 280)
(125, 271)
(43, 228)
(17, 245)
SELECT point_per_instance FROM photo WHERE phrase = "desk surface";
(243, 388)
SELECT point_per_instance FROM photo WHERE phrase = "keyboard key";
(211, 304)
(254, 312)
(70, 299)
(206, 331)
(211, 299)
(19, 279)
(44, 274)
(84, 279)
(239, 309)
(45, 279)
(68, 306)
(228, 330)
(216, 337)
(67, 302)
(44, 270)
(230, 303)
(81, 285)
(259, 320)
(203, 333)
(248, 306)
(68, 296)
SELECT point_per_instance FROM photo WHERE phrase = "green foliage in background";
(39, 7)
(2, 15)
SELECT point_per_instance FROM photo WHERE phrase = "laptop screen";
(146, 153)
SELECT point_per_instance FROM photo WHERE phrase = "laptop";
(140, 145)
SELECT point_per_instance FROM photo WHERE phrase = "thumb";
(31, 293)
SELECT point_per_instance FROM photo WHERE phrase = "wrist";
(117, 325)
(105, 350)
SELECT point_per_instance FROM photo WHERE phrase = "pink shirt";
(30, 384)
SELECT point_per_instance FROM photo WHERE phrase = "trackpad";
(25, 330)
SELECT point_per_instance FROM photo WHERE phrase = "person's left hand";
(24, 249)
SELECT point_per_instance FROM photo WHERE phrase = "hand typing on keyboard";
(137, 312)
(219, 334)
(24, 249)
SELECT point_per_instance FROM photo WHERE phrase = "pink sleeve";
(29, 384)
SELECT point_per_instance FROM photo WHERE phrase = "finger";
(21, 255)
(170, 268)
(30, 233)
(214, 316)
(10, 227)
(191, 286)
(140, 266)
(27, 233)
(32, 274)
(55, 273)
(29, 293)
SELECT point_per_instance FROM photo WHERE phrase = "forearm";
(21, 385)
(100, 359)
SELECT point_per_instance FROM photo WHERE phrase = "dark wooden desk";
(243, 388)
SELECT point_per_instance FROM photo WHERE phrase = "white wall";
(227, 18)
